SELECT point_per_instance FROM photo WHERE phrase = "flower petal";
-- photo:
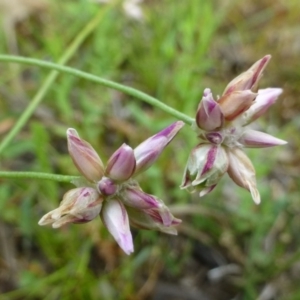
(115, 218)
(264, 99)
(151, 220)
(257, 139)
(209, 116)
(242, 172)
(135, 197)
(121, 164)
(148, 151)
(84, 156)
(248, 79)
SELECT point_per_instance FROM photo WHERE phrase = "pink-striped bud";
(235, 103)
(257, 139)
(79, 205)
(115, 218)
(148, 151)
(151, 219)
(205, 167)
(249, 79)
(84, 156)
(209, 116)
(242, 172)
(107, 186)
(162, 215)
(121, 164)
(135, 197)
(264, 99)
(214, 137)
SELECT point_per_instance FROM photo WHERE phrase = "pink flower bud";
(209, 116)
(242, 172)
(79, 205)
(249, 79)
(107, 187)
(264, 99)
(84, 156)
(214, 137)
(148, 151)
(115, 218)
(150, 219)
(257, 139)
(135, 197)
(162, 215)
(235, 103)
(121, 164)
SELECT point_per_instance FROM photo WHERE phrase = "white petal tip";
(257, 201)
(128, 249)
(255, 195)
(128, 252)
(45, 220)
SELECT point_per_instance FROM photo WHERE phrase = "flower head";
(222, 128)
(79, 205)
(112, 191)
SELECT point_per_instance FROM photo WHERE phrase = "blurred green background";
(227, 247)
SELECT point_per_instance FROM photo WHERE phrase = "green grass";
(179, 49)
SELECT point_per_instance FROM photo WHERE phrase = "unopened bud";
(209, 115)
(121, 164)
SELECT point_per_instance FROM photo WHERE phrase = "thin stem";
(38, 175)
(50, 79)
(125, 89)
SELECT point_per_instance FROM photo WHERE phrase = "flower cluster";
(113, 192)
(222, 127)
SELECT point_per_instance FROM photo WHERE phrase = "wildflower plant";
(112, 190)
(222, 127)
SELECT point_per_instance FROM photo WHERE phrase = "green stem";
(125, 89)
(50, 79)
(38, 175)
